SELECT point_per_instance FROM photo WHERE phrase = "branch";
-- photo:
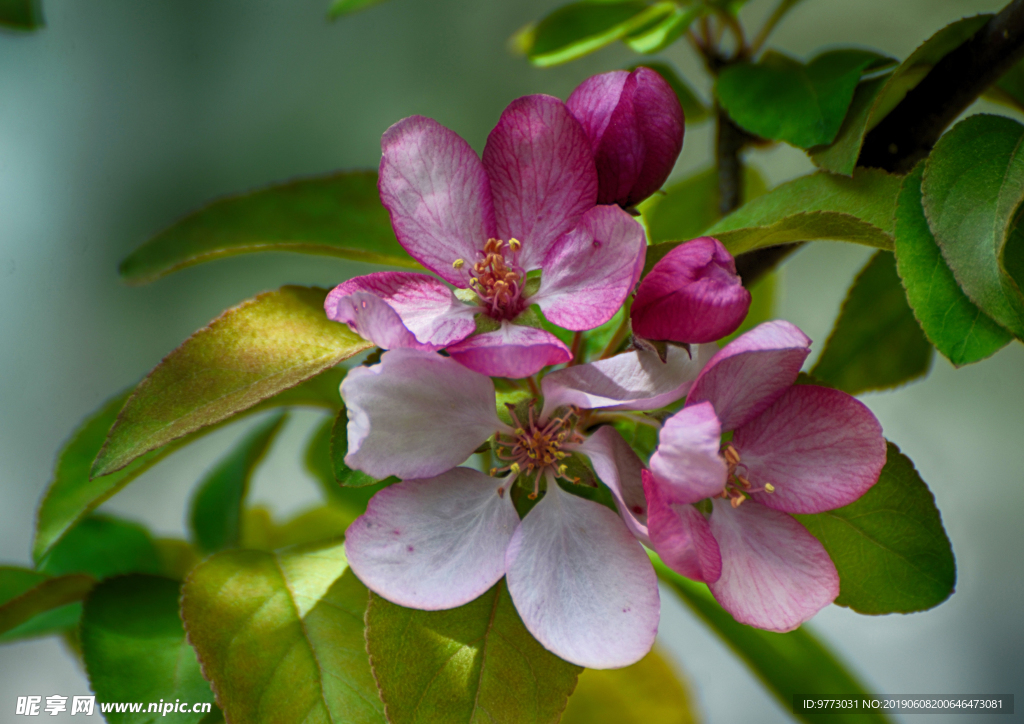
(907, 134)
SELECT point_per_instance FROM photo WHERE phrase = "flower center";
(497, 278)
(737, 487)
(535, 448)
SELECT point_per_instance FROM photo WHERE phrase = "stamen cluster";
(536, 448)
(496, 279)
(737, 486)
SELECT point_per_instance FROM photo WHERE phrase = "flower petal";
(621, 470)
(541, 172)
(438, 195)
(592, 269)
(687, 463)
(751, 372)
(426, 306)
(635, 380)
(435, 543)
(775, 575)
(692, 294)
(660, 119)
(371, 318)
(681, 535)
(513, 351)
(582, 583)
(416, 414)
(819, 447)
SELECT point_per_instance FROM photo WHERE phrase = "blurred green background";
(121, 116)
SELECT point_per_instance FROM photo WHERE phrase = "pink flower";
(482, 226)
(635, 126)
(794, 449)
(691, 295)
(579, 578)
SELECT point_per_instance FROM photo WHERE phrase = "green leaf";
(695, 110)
(889, 546)
(295, 619)
(575, 30)
(24, 598)
(475, 663)
(103, 546)
(21, 14)
(347, 7)
(785, 100)
(951, 321)
(73, 494)
(876, 342)
(217, 505)
(666, 31)
(787, 663)
(260, 532)
(648, 692)
(338, 215)
(249, 353)
(875, 99)
(818, 206)
(972, 188)
(688, 207)
(134, 648)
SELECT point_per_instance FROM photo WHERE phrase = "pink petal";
(591, 270)
(438, 195)
(595, 100)
(775, 575)
(371, 318)
(513, 351)
(582, 583)
(692, 294)
(819, 447)
(681, 535)
(620, 469)
(751, 372)
(426, 306)
(687, 463)
(542, 174)
(629, 381)
(660, 119)
(435, 543)
(416, 414)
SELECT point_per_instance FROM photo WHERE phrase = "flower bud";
(692, 295)
(635, 125)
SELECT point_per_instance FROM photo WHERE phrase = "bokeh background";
(120, 116)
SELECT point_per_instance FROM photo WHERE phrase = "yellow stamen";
(459, 263)
(514, 467)
(769, 488)
(515, 244)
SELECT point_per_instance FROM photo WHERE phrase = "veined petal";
(542, 174)
(751, 372)
(687, 463)
(425, 305)
(595, 100)
(681, 535)
(371, 318)
(621, 470)
(512, 351)
(435, 543)
(416, 414)
(775, 575)
(660, 120)
(438, 195)
(635, 380)
(692, 294)
(582, 583)
(819, 447)
(591, 270)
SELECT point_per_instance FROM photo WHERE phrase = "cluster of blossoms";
(554, 192)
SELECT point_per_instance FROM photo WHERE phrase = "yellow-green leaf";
(251, 352)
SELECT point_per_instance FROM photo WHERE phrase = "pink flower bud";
(635, 125)
(692, 295)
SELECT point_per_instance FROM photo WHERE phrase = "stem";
(619, 336)
(728, 146)
(908, 132)
(574, 349)
(780, 12)
(729, 20)
(534, 390)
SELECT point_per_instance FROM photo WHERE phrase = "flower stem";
(574, 349)
(620, 334)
